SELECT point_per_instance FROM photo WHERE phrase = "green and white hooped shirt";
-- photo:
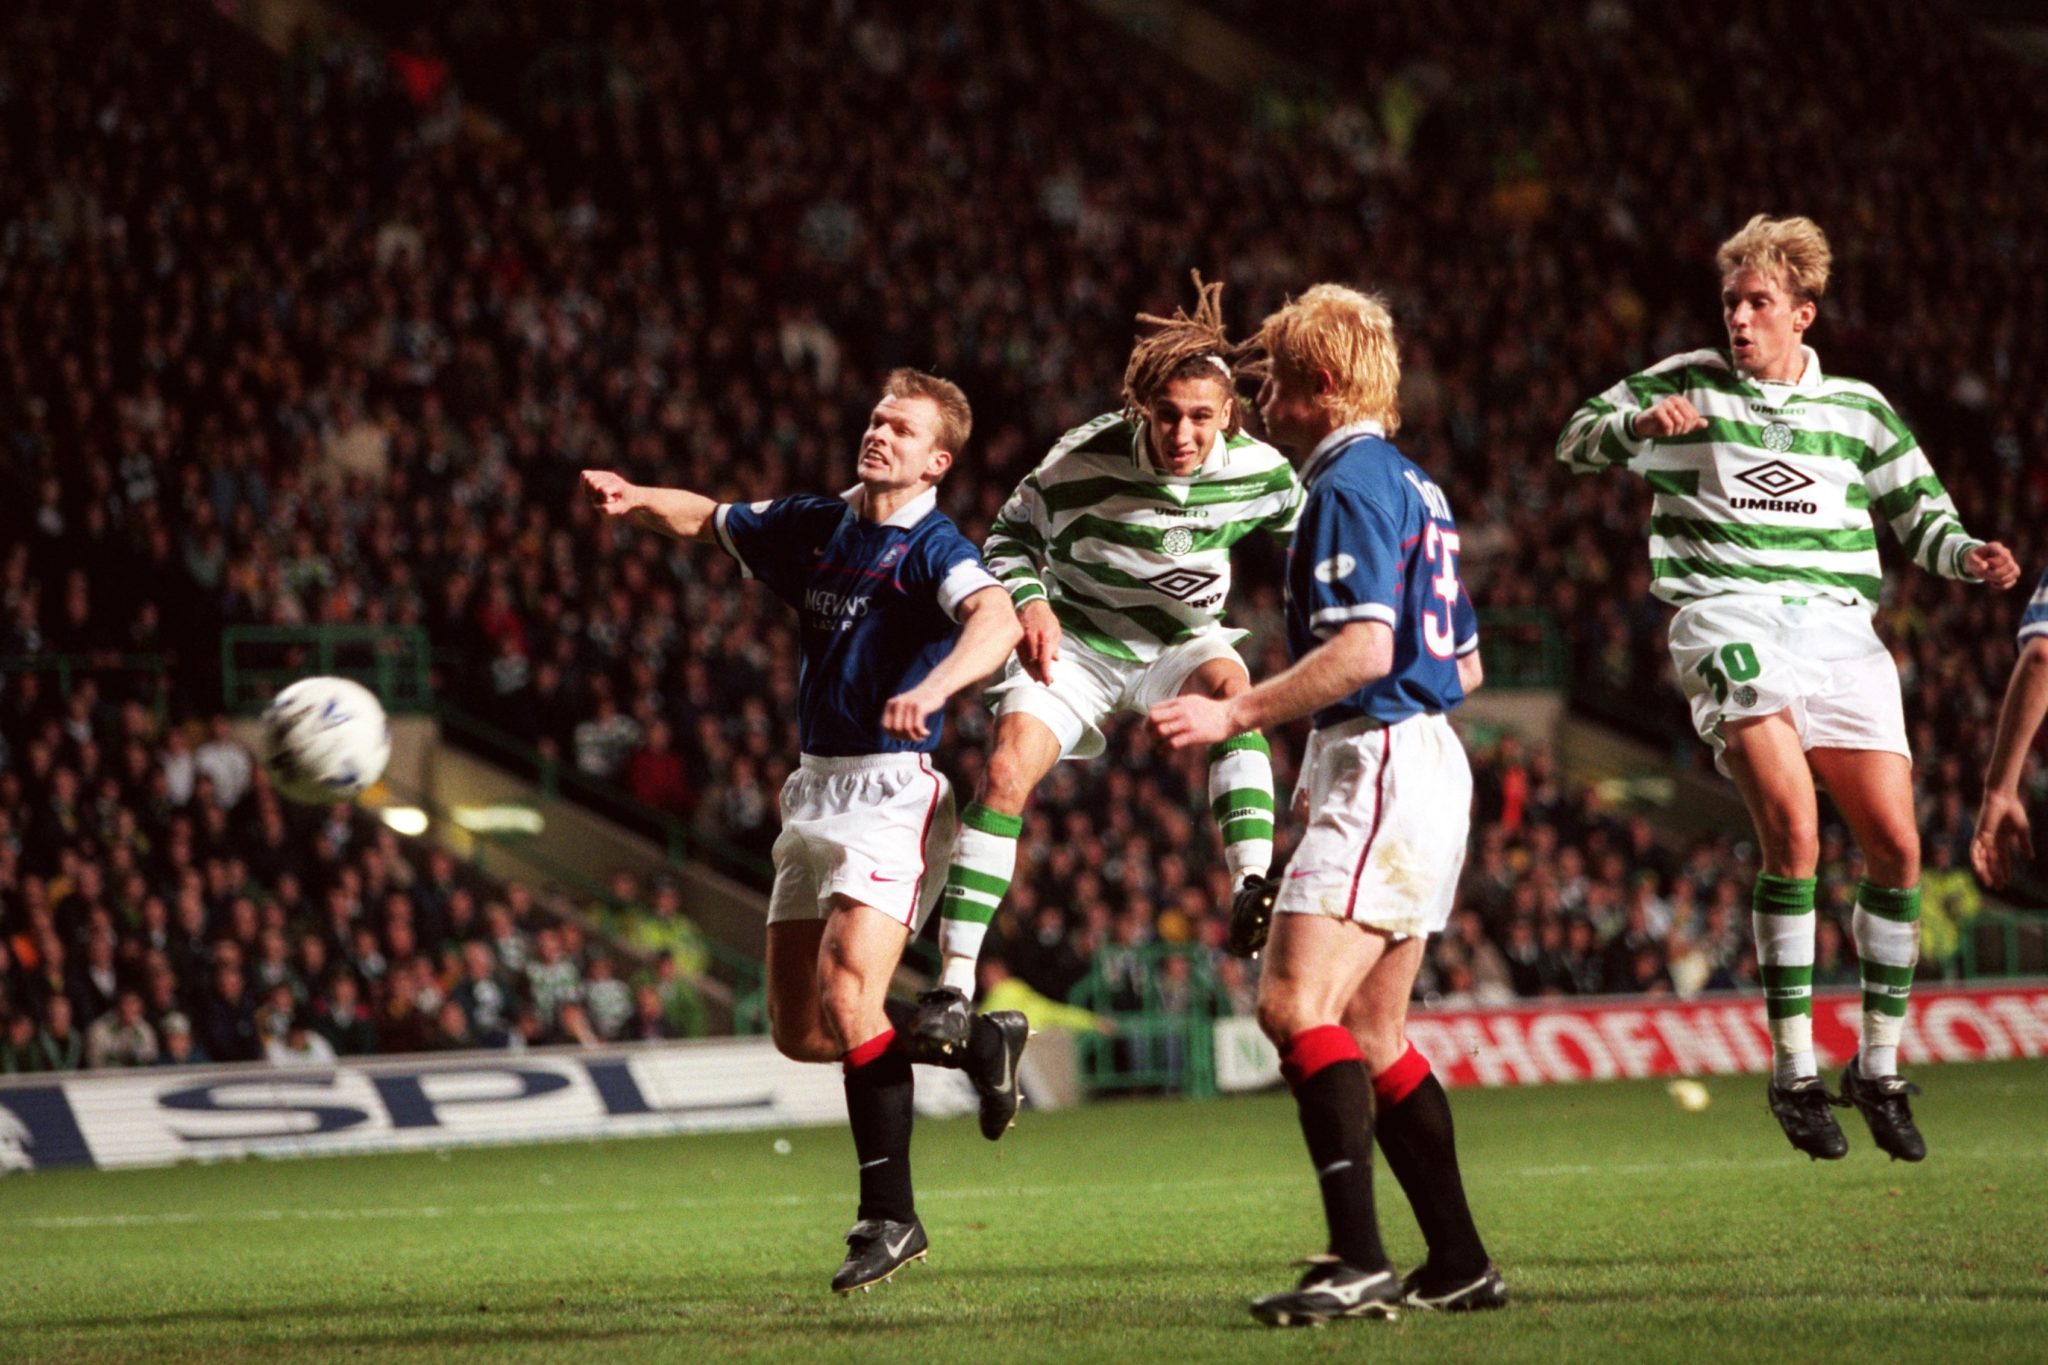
(1774, 496)
(1132, 559)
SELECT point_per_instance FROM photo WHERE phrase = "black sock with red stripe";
(1327, 1073)
(1414, 1129)
(878, 1105)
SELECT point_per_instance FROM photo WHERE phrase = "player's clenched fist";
(1671, 415)
(1993, 564)
(609, 493)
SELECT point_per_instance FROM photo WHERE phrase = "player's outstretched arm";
(2002, 831)
(988, 632)
(671, 511)
(1360, 653)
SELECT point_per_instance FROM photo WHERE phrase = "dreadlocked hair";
(1182, 347)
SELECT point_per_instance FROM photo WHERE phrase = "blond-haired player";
(1385, 645)
(896, 613)
(1766, 472)
(1116, 551)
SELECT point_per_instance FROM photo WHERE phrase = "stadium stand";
(327, 341)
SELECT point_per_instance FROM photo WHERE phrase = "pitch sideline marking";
(60, 1223)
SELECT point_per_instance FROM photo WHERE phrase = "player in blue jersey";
(2003, 835)
(897, 614)
(1385, 644)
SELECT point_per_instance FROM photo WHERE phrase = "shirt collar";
(907, 516)
(1809, 375)
(1327, 447)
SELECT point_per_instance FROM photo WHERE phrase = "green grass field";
(1135, 1231)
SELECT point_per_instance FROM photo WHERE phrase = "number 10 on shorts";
(1738, 664)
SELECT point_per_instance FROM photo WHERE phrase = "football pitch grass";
(1135, 1231)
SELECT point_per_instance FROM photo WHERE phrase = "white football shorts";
(1390, 807)
(1089, 687)
(877, 829)
(1819, 660)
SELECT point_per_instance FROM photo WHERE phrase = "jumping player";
(898, 614)
(2002, 832)
(1766, 471)
(1385, 644)
(1116, 551)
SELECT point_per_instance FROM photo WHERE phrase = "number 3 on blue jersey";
(1440, 634)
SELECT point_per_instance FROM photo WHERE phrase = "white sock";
(1241, 800)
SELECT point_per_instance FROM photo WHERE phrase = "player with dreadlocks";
(1116, 552)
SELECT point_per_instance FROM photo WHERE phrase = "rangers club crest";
(889, 557)
(1777, 438)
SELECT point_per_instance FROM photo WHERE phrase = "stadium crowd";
(312, 343)
(160, 904)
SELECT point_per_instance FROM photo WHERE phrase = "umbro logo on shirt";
(1182, 582)
(1779, 480)
(1775, 478)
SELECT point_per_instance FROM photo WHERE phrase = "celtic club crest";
(1777, 438)
(1178, 540)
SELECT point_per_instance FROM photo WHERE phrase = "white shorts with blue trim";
(876, 829)
(1389, 810)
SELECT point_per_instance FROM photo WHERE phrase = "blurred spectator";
(121, 1037)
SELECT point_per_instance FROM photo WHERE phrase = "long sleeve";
(1907, 494)
(1016, 544)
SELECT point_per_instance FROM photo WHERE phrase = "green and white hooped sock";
(1782, 916)
(1887, 932)
(1241, 800)
(984, 860)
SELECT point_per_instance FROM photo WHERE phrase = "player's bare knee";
(1791, 840)
(799, 1036)
(1379, 1041)
(1891, 857)
(1283, 1013)
(1008, 782)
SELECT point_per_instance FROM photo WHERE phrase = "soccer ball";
(325, 740)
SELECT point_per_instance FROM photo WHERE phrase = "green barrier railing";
(1521, 647)
(2001, 943)
(392, 661)
(1164, 1000)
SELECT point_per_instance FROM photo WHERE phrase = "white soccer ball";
(325, 740)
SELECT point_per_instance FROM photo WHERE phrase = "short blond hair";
(956, 418)
(1349, 334)
(1794, 250)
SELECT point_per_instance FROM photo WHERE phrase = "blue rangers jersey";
(1377, 543)
(877, 602)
